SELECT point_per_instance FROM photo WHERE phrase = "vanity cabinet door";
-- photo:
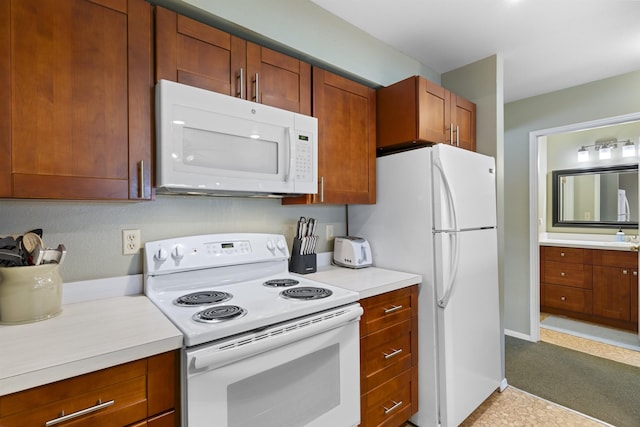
(612, 292)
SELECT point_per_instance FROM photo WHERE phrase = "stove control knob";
(161, 255)
(281, 245)
(177, 252)
(270, 245)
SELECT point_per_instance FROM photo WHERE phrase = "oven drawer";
(386, 309)
(113, 396)
(389, 404)
(385, 354)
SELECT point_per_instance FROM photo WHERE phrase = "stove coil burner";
(281, 283)
(220, 313)
(202, 298)
(306, 293)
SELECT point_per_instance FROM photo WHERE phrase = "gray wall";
(610, 97)
(92, 232)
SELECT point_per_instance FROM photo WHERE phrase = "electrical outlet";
(130, 242)
(329, 232)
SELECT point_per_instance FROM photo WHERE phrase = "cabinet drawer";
(390, 403)
(567, 298)
(386, 354)
(577, 275)
(567, 255)
(107, 403)
(386, 309)
(615, 258)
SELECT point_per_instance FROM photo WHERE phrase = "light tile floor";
(514, 407)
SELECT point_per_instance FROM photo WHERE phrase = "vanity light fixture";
(629, 149)
(604, 149)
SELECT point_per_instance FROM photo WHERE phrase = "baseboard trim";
(519, 335)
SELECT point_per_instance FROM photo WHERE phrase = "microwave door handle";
(292, 155)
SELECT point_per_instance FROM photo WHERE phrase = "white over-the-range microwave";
(215, 144)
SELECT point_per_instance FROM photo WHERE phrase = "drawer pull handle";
(635, 273)
(562, 274)
(395, 405)
(393, 353)
(392, 309)
(563, 298)
(62, 418)
(561, 253)
(624, 272)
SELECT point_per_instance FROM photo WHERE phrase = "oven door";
(300, 373)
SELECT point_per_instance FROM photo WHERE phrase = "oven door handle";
(229, 351)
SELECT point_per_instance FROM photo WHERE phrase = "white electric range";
(248, 324)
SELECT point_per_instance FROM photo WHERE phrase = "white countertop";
(368, 281)
(85, 337)
(587, 241)
(122, 325)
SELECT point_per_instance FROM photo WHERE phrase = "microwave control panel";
(304, 157)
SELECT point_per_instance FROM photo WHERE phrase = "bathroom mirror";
(596, 197)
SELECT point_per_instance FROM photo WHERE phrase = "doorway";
(538, 205)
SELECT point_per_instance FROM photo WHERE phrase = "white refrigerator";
(436, 216)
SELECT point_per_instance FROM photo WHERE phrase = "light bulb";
(604, 153)
(583, 155)
(628, 149)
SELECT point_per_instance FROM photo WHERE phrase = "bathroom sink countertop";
(595, 241)
(85, 337)
(368, 281)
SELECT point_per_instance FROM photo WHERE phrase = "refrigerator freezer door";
(469, 327)
(471, 179)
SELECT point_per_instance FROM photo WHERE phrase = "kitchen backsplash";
(92, 231)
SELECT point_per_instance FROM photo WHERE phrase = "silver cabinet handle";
(256, 91)
(561, 253)
(563, 298)
(562, 274)
(450, 133)
(393, 353)
(240, 90)
(62, 418)
(141, 179)
(624, 272)
(395, 405)
(322, 189)
(392, 309)
(457, 136)
(635, 273)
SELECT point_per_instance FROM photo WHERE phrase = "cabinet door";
(634, 295)
(193, 53)
(463, 119)
(434, 113)
(612, 292)
(346, 141)
(79, 79)
(279, 80)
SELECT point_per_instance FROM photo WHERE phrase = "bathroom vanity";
(590, 283)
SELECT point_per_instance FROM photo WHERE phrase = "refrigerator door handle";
(455, 247)
(453, 269)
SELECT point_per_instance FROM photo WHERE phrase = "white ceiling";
(546, 45)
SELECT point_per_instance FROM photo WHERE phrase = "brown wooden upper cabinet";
(346, 113)
(196, 54)
(417, 111)
(76, 79)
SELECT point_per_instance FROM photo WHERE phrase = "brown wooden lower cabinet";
(389, 358)
(595, 285)
(138, 393)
